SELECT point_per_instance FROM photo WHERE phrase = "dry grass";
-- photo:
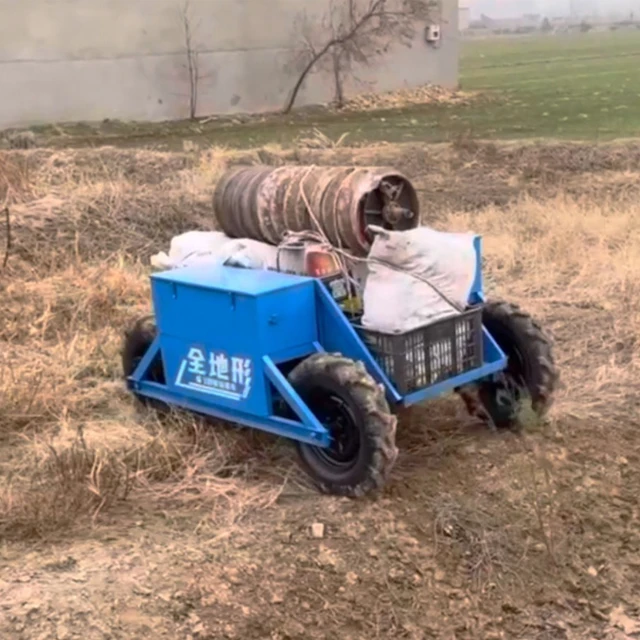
(82, 228)
(576, 262)
(78, 470)
(318, 140)
(70, 207)
(428, 94)
(83, 225)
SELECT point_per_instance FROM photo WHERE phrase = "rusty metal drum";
(263, 203)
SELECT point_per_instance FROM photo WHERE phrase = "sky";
(515, 8)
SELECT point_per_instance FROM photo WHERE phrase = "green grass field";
(581, 86)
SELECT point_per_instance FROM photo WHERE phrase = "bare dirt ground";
(115, 524)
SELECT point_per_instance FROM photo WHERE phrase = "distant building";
(529, 22)
(505, 8)
(464, 16)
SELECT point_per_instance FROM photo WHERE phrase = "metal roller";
(263, 203)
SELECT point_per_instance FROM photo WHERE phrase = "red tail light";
(321, 263)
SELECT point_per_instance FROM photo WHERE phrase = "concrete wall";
(87, 60)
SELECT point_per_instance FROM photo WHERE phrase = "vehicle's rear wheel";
(531, 376)
(349, 403)
(137, 341)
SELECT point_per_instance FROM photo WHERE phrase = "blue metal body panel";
(337, 335)
(477, 288)
(224, 333)
(214, 335)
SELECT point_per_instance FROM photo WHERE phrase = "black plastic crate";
(427, 355)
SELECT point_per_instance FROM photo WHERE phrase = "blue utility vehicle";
(279, 352)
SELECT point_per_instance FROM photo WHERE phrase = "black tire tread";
(136, 341)
(542, 376)
(381, 425)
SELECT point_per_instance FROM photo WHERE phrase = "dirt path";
(427, 560)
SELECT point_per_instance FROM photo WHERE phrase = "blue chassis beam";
(308, 430)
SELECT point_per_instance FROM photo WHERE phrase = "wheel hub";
(508, 394)
(502, 399)
(338, 419)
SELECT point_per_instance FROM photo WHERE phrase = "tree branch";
(192, 61)
(372, 12)
(356, 36)
(7, 217)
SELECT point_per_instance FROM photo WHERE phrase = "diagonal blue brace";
(140, 373)
(294, 401)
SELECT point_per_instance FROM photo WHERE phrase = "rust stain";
(264, 202)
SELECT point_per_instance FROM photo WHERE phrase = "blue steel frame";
(334, 334)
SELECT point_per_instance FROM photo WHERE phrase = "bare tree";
(355, 32)
(192, 63)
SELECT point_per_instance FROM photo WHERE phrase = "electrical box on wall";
(432, 33)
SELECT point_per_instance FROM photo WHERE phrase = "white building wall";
(87, 60)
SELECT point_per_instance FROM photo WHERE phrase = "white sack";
(215, 248)
(190, 247)
(395, 301)
(260, 255)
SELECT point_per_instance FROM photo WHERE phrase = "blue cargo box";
(218, 322)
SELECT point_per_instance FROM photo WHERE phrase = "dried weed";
(428, 94)
(576, 266)
(319, 140)
(83, 224)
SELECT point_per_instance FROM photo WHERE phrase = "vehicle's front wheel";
(349, 403)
